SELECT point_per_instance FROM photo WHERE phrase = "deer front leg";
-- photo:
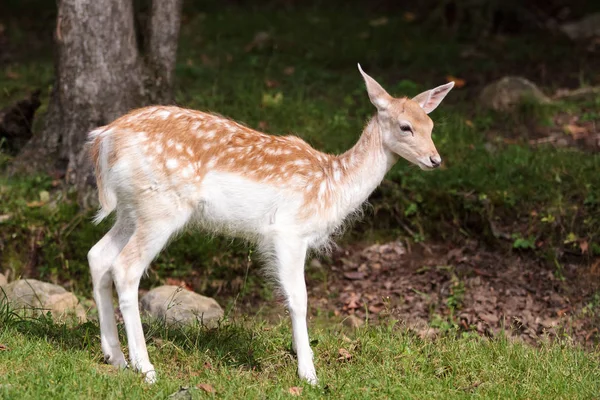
(290, 256)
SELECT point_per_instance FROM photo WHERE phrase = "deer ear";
(430, 99)
(379, 97)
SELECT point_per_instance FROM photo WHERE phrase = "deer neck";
(364, 167)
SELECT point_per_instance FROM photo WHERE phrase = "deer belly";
(233, 204)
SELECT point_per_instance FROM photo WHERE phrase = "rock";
(3, 280)
(176, 305)
(588, 26)
(353, 321)
(509, 91)
(40, 297)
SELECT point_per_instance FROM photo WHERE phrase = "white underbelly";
(232, 204)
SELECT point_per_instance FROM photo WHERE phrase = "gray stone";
(587, 27)
(509, 91)
(3, 280)
(36, 297)
(176, 305)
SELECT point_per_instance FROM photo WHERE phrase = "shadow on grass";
(231, 343)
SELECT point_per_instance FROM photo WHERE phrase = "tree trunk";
(101, 73)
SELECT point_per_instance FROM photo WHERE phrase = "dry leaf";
(178, 282)
(584, 246)
(458, 82)
(259, 40)
(3, 347)
(469, 123)
(207, 61)
(295, 391)
(379, 21)
(354, 276)
(575, 130)
(409, 17)
(375, 309)
(12, 75)
(344, 355)
(36, 203)
(206, 387)
(289, 70)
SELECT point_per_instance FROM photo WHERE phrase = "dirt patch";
(437, 287)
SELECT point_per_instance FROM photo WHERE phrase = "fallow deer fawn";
(162, 168)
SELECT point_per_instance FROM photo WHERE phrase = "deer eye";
(405, 128)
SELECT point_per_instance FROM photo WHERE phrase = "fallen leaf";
(561, 312)
(589, 335)
(178, 282)
(36, 203)
(259, 40)
(469, 123)
(379, 21)
(353, 322)
(207, 61)
(3, 347)
(375, 309)
(584, 246)
(575, 130)
(344, 355)
(295, 391)
(289, 70)
(409, 16)
(353, 302)
(354, 275)
(12, 74)
(458, 82)
(206, 387)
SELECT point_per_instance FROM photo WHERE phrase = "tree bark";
(101, 73)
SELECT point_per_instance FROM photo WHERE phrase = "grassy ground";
(250, 360)
(494, 188)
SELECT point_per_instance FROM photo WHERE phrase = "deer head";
(404, 123)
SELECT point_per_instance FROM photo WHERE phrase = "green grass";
(251, 360)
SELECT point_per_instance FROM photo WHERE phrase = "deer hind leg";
(290, 255)
(101, 258)
(150, 236)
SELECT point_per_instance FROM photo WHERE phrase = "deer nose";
(436, 161)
